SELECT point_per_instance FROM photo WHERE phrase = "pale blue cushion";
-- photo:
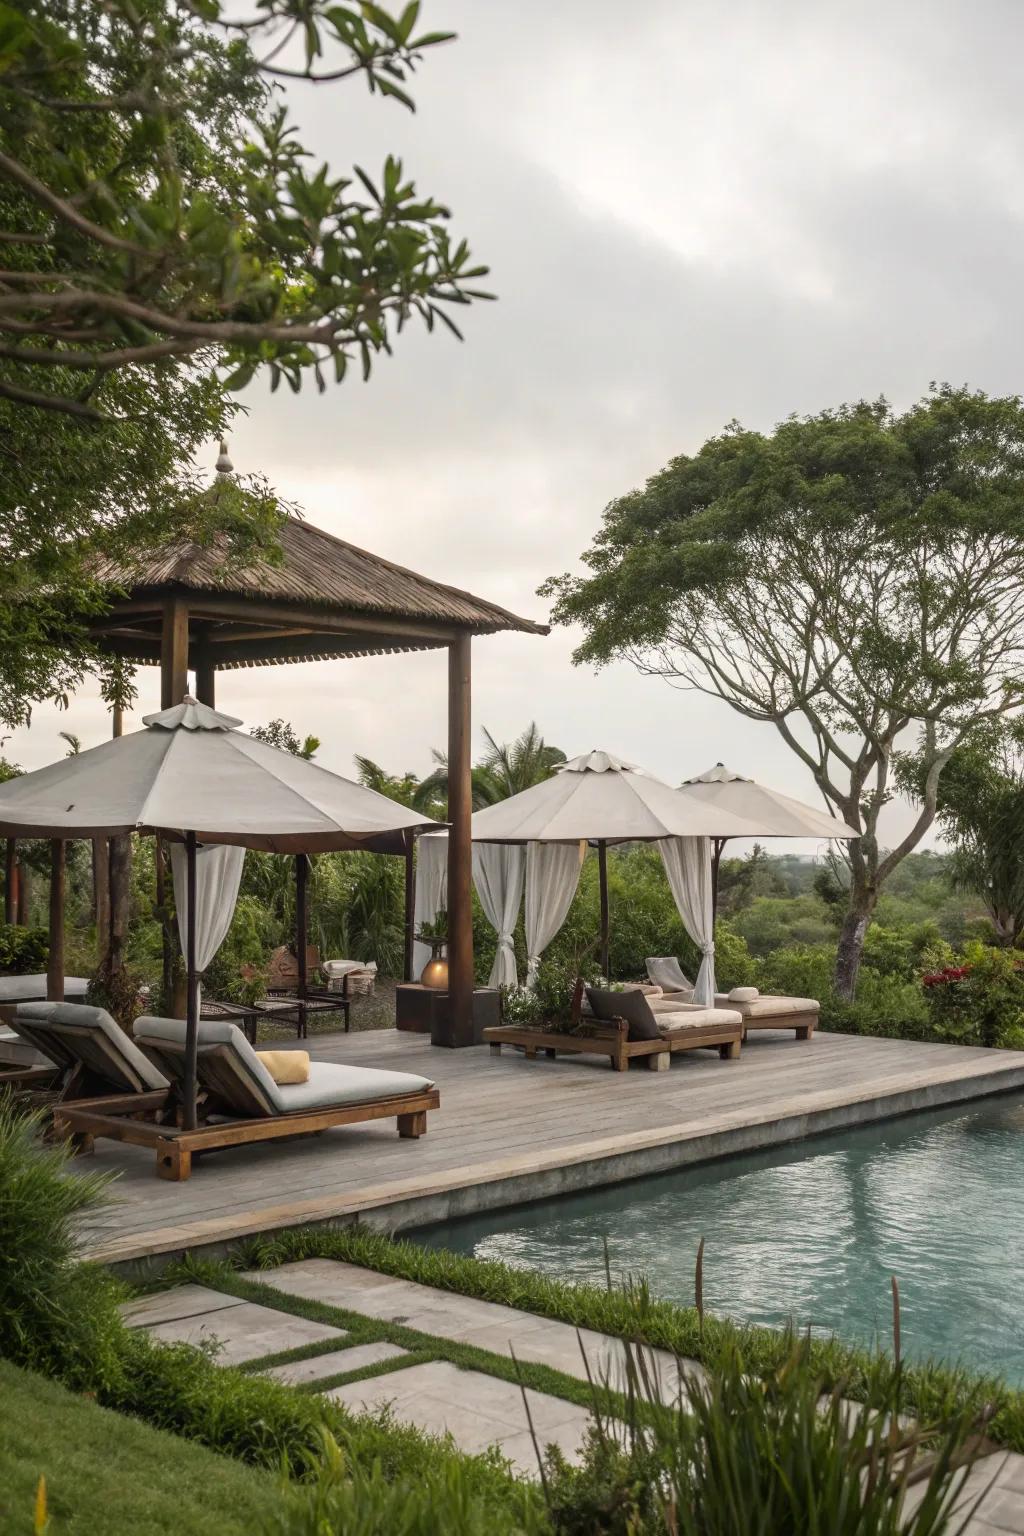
(331, 1083)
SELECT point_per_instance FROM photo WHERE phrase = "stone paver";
(465, 1320)
(1000, 1478)
(318, 1367)
(476, 1410)
(244, 1330)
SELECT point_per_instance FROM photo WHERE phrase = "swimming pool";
(813, 1232)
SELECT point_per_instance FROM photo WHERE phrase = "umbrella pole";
(602, 880)
(192, 985)
(410, 903)
(55, 963)
(300, 935)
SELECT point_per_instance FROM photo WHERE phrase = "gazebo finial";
(224, 464)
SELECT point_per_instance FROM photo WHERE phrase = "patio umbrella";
(192, 777)
(600, 799)
(770, 813)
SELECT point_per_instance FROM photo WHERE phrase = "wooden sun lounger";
(611, 1038)
(111, 1119)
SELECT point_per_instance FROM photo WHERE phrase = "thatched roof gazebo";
(185, 609)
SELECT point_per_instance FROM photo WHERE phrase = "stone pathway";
(464, 1320)
(477, 1409)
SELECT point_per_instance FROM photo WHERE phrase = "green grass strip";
(933, 1391)
(220, 1275)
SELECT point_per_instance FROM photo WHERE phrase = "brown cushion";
(286, 1066)
(631, 1006)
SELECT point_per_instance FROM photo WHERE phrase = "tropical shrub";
(237, 972)
(351, 1500)
(57, 1315)
(980, 999)
(23, 951)
(760, 1451)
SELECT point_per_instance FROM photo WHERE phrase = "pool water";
(813, 1232)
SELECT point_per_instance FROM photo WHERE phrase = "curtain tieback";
(708, 948)
(506, 941)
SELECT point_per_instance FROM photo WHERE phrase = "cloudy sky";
(693, 212)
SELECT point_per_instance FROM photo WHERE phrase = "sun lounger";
(665, 1030)
(758, 1012)
(243, 1103)
(89, 1055)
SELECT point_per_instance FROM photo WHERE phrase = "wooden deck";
(510, 1130)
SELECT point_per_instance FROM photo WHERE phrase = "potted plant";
(434, 931)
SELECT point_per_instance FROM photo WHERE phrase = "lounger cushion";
(630, 1005)
(699, 1020)
(129, 1070)
(330, 1084)
(770, 1007)
(666, 972)
(151, 1030)
(743, 994)
(18, 989)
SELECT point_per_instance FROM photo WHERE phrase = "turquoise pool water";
(813, 1232)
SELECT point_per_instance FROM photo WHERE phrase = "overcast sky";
(693, 212)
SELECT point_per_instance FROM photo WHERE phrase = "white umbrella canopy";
(600, 798)
(770, 814)
(192, 770)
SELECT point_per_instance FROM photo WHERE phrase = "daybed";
(623, 1025)
(242, 1102)
(757, 1011)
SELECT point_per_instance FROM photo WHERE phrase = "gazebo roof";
(326, 598)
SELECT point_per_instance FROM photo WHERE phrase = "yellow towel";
(286, 1066)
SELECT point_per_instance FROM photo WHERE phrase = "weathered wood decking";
(510, 1130)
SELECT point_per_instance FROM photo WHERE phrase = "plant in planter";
(434, 931)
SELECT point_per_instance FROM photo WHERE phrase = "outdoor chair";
(89, 1055)
(757, 1011)
(242, 1103)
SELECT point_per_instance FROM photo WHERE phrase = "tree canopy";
(854, 578)
(164, 234)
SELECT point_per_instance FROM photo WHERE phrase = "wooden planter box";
(611, 1038)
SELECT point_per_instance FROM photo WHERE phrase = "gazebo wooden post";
(191, 985)
(410, 903)
(174, 653)
(55, 962)
(11, 880)
(206, 672)
(460, 840)
(602, 880)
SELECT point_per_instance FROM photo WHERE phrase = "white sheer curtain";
(687, 862)
(498, 873)
(552, 875)
(218, 875)
(431, 889)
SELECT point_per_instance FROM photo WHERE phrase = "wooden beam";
(174, 653)
(311, 645)
(55, 963)
(324, 621)
(11, 880)
(460, 841)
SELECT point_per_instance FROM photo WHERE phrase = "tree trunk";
(851, 943)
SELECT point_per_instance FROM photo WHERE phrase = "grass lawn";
(107, 1475)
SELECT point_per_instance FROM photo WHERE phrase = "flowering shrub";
(980, 1000)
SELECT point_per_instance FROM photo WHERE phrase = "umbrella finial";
(190, 715)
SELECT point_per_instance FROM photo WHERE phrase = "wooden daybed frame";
(111, 1119)
(611, 1038)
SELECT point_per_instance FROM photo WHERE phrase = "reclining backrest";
(226, 1064)
(666, 973)
(74, 1034)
